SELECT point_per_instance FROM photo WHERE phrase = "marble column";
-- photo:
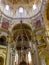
(36, 55)
(32, 58)
(8, 54)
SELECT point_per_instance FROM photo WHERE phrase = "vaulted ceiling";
(21, 2)
(30, 7)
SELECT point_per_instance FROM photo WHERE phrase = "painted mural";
(5, 24)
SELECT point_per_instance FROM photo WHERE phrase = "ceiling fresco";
(18, 2)
(10, 8)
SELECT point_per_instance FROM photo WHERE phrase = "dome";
(20, 8)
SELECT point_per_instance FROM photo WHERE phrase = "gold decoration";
(46, 12)
(1, 61)
(20, 1)
(15, 3)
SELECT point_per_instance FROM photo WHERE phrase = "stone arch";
(25, 28)
(25, 24)
(26, 35)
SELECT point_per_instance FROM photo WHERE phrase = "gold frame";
(44, 15)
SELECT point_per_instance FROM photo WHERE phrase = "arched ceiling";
(24, 26)
(30, 7)
(15, 2)
(22, 29)
(22, 35)
(21, 2)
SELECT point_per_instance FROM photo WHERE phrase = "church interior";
(24, 32)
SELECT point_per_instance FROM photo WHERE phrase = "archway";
(23, 63)
(22, 32)
(22, 38)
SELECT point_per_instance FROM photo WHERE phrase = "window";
(21, 10)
